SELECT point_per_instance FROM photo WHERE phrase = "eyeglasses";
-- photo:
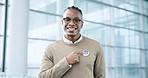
(67, 20)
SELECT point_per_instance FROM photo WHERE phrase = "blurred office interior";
(120, 25)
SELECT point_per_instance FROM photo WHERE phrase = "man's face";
(72, 22)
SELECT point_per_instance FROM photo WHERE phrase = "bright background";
(120, 25)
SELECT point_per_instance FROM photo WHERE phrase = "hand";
(73, 57)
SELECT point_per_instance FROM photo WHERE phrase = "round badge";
(85, 52)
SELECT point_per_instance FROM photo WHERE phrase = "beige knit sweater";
(54, 63)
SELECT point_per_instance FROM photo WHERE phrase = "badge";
(85, 52)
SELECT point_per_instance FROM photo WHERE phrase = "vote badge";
(85, 53)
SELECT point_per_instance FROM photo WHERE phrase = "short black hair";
(74, 7)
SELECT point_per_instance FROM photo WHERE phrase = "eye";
(66, 19)
(77, 20)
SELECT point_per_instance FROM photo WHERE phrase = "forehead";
(72, 13)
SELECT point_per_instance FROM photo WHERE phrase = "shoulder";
(91, 41)
(56, 43)
(51, 47)
(96, 45)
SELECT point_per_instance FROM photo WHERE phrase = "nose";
(71, 22)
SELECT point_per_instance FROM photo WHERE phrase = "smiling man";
(75, 56)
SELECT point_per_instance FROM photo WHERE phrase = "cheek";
(79, 29)
(80, 26)
(63, 24)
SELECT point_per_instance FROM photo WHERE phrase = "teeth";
(71, 28)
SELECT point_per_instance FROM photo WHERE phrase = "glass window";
(128, 73)
(40, 20)
(2, 2)
(1, 32)
(146, 58)
(146, 41)
(1, 51)
(145, 20)
(134, 39)
(43, 5)
(122, 37)
(109, 73)
(93, 11)
(36, 49)
(146, 72)
(135, 57)
(43, 26)
(50, 6)
(103, 32)
(107, 53)
(88, 6)
(1, 20)
(119, 56)
(126, 19)
(131, 5)
(104, 1)
(127, 57)
(145, 7)
(131, 57)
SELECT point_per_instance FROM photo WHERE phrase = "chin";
(71, 34)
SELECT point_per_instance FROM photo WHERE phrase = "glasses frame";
(67, 20)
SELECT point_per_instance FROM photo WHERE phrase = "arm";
(99, 67)
(49, 69)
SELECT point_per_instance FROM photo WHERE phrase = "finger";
(76, 60)
(78, 56)
(78, 52)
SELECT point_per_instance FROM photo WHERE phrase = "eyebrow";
(74, 17)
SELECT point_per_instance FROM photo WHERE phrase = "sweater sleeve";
(99, 69)
(50, 70)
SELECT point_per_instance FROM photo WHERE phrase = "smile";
(71, 28)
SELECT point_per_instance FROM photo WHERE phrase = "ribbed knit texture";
(54, 64)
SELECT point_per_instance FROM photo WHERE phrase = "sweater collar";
(70, 42)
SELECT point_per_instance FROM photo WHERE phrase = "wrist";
(67, 61)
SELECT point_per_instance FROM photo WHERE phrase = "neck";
(73, 38)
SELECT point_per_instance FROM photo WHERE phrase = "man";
(75, 56)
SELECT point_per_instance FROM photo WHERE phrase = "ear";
(62, 22)
(81, 25)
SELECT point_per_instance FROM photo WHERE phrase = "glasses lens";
(76, 20)
(68, 20)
